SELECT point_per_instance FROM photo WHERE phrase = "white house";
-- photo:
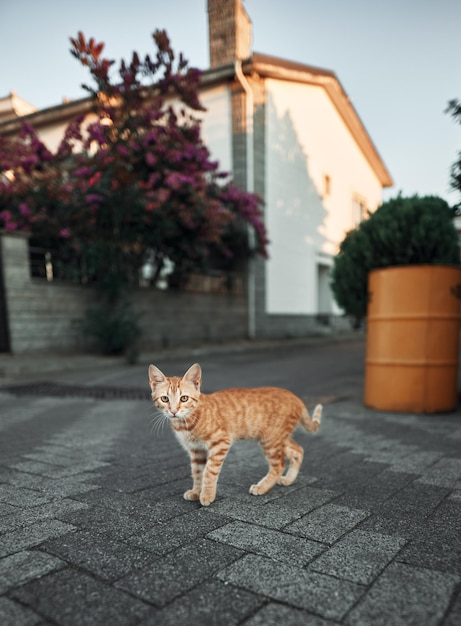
(289, 132)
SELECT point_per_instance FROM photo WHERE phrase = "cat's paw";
(257, 490)
(191, 495)
(283, 481)
(206, 500)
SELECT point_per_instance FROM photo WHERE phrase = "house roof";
(263, 65)
(274, 67)
(12, 106)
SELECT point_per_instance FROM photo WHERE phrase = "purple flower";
(83, 171)
(11, 225)
(93, 197)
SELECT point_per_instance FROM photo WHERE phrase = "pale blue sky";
(398, 60)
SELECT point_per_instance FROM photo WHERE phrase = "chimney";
(229, 29)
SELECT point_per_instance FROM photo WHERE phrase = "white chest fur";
(189, 441)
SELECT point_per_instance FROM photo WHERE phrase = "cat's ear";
(155, 376)
(194, 375)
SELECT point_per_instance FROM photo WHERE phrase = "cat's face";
(175, 397)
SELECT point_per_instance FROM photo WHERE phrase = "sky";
(398, 61)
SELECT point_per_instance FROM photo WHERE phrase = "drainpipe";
(251, 288)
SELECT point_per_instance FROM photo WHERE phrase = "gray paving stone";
(71, 598)
(30, 536)
(58, 471)
(405, 596)
(169, 535)
(304, 500)
(241, 492)
(453, 617)
(405, 513)
(213, 603)
(131, 481)
(48, 486)
(160, 492)
(437, 545)
(273, 514)
(52, 458)
(445, 473)
(157, 504)
(273, 544)
(415, 462)
(374, 491)
(323, 595)
(179, 571)
(101, 555)
(113, 499)
(111, 522)
(68, 487)
(64, 454)
(360, 556)
(7, 509)
(328, 523)
(24, 566)
(262, 515)
(51, 510)
(13, 614)
(15, 414)
(21, 497)
(275, 614)
(350, 472)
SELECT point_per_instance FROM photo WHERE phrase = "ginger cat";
(207, 425)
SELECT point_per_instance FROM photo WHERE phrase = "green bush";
(115, 328)
(403, 231)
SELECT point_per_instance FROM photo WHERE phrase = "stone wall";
(41, 313)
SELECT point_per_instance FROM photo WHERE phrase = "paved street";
(94, 529)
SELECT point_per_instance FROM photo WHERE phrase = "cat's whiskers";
(158, 421)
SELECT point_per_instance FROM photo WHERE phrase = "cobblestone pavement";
(94, 529)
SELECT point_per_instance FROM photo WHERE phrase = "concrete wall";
(41, 313)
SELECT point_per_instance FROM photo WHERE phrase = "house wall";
(217, 125)
(53, 134)
(41, 313)
(307, 143)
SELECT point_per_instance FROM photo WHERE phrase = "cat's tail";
(312, 424)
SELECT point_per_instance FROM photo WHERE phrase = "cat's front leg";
(198, 458)
(216, 455)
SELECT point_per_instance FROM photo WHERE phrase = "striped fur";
(207, 425)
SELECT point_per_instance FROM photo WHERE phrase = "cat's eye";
(184, 398)
(164, 398)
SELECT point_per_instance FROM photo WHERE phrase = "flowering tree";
(137, 180)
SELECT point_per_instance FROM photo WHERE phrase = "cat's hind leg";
(276, 458)
(198, 458)
(295, 454)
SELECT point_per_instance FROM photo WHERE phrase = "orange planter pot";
(413, 327)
